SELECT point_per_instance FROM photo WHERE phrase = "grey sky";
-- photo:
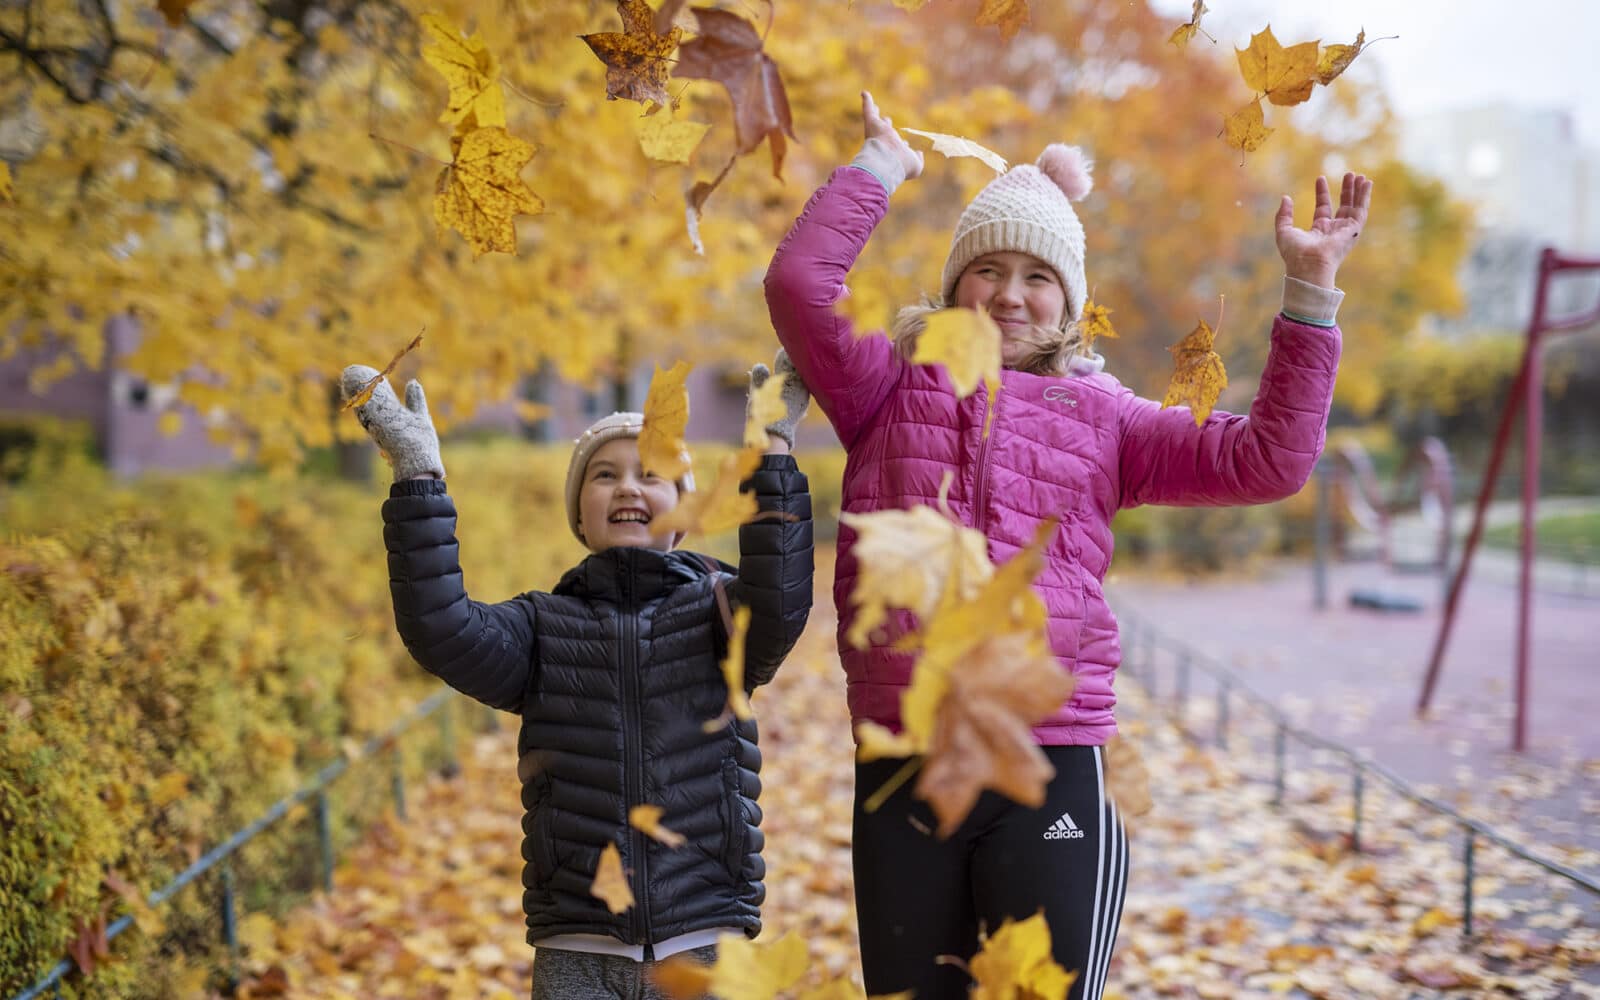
(1543, 53)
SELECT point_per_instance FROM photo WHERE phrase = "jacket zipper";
(980, 506)
(633, 758)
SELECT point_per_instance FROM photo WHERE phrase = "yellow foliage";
(611, 882)
(1016, 964)
(666, 416)
(469, 68)
(480, 192)
(733, 673)
(1198, 376)
(967, 343)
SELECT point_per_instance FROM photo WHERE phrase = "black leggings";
(919, 897)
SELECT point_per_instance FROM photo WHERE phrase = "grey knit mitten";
(796, 397)
(404, 432)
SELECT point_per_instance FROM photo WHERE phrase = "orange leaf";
(611, 882)
(365, 393)
(1246, 129)
(636, 57)
(721, 508)
(728, 50)
(662, 449)
(1096, 323)
(174, 11)
(1185, 32)
(1198, 376)
(647, 819)
(1008, 15)
(1127, 781)
(1284, 75)
(733, 674)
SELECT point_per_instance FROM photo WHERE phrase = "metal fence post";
(230, 926)
(325, 839)
(1356, 794)
(1222, 714)
(1466, 883)
(397, 782)
(1279, 738)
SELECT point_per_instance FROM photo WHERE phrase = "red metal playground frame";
(1526, 393)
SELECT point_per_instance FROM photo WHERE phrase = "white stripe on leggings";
(1119, 872)
(1099, 884)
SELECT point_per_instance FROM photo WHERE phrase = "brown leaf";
(88, 945)
(365, 393)
(728, 50)
(174, 11)
(1185, 32)
(1127, 781)
(636, 57)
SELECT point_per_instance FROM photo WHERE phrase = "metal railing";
(1141, 644)
(316, 789)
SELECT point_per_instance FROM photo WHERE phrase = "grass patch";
(1569, 536)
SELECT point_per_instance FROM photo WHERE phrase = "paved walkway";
(1354, 675)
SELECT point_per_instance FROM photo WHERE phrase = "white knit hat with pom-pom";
(1028, 210)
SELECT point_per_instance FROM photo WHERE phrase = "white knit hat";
(618, 425)
(1028, 210)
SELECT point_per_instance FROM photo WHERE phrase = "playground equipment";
(1528, 395)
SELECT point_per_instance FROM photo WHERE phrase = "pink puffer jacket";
(1077, 447)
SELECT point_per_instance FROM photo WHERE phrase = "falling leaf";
(470, 70)
(1015, 963)
(1185, 32)
(987, 676)
(1198, 376)
(669, 140)
(174, 11)
(1246, 129)
(733, 674)
(647, 819)
(7, 195)
(875, 742)
(636, 57)
(480, 192)
(1284, 75)
(1009, 15)
(721, 508)
(666, 417)
(672, 13)
(955, 145)
(611, 882)
(363, 394)
(1335, 59)
(907, 559)
(766, 407)
(1095, 323)
(728, 50)
(744, 970)
(967, 343)
(1127, 780)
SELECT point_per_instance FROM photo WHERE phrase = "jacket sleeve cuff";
(418, 488)
(1304, 302)
(877, 159)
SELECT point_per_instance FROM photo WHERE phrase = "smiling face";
(1020, 293)
(619, 499)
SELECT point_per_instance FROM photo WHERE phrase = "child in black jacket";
(614, 674)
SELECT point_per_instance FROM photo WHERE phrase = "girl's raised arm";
(849, 376)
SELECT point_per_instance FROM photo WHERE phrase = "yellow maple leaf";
(908, 559)
(744, 970)
(662, 449)
(647, 819)
(1198, 376)
(867, 303)
(1185, 32)
(1095, 323)
(1015, 963)
(966, 342)
(611, 882)
(1284, 75)
(955, 145)
(480, 192)
(1246, 129)
(721, 508)
(6, 194)
(470, 70)
(669, 140)
(875, 741)
(766, 407)
(738, 705)
(1335, 59)
(1008, 15)
(844, 989)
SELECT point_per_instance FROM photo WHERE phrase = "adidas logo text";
(1063, 829)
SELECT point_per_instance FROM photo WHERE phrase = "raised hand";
(1314, 255)
(796, 397)
(885, 153)
(403, 432)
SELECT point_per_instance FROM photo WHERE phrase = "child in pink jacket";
(1069, 441)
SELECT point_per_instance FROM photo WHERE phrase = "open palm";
(1314, 254)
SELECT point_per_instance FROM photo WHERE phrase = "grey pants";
(581, 975)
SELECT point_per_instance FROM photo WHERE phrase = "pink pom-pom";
(1068, 168)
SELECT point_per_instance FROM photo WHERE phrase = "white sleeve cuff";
(877, 159)
(1308, 303)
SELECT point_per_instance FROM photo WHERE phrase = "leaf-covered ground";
(1229, 897)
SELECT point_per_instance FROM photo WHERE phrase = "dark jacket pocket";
(541, 832)
(735, 832)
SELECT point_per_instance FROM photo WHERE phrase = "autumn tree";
(254, 180)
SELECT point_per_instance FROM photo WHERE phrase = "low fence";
(1142, 659)
(442, 706)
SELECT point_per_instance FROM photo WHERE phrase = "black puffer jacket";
(614, 673)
